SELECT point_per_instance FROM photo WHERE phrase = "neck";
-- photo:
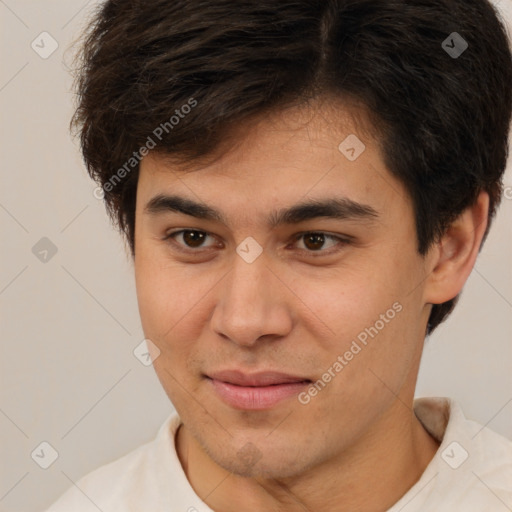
(377, 470)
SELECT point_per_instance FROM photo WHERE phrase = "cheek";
(345, 301)
(157, 300)
(163, 292)
(153, 295)
(174, 306)
(371, 318)
(169, 307)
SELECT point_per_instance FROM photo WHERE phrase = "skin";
(357, 445)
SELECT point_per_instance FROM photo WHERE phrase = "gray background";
(69, 325)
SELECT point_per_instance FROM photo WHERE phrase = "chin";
(249, 462)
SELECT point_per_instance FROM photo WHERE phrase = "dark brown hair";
(181, 73)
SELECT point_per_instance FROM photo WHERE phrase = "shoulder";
(122, 483)
(490, 460)
(472, 469)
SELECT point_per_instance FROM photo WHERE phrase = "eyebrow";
(340, 208)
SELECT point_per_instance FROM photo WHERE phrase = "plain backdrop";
(69, 325)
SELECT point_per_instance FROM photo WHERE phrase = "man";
(304, 187)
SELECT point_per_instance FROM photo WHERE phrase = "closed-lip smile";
(263, 378)
(255, 391)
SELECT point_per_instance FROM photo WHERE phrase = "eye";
(190, 238)
(315, 241)
(193, 240)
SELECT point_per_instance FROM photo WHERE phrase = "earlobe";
(453, 258)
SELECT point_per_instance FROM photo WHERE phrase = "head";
(246, 112)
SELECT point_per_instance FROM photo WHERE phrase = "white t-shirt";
(471, 472)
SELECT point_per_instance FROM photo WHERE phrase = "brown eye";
(314, 241)
(320, 243)
(193, 238)
(190, 239)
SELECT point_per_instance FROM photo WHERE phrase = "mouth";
(256, 391)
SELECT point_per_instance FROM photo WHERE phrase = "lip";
(256, 391)
(267, 378)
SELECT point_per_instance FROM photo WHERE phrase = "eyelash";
(341, 240)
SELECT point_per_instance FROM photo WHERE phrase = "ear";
(452, 259)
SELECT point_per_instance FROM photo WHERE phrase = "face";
(288, 309)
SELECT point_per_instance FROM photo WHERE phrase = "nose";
(252, 304)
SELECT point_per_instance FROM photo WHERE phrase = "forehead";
(280, 159)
